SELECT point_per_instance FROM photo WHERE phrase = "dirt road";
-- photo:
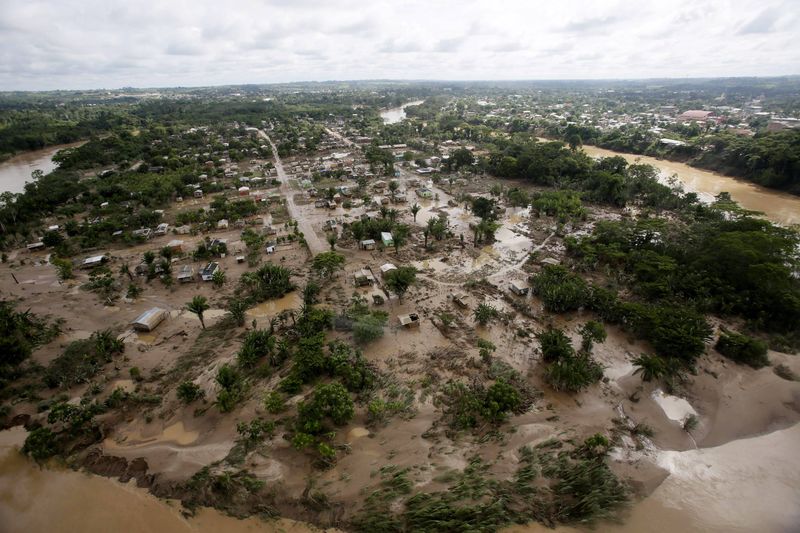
(315, 244)
(340, 137)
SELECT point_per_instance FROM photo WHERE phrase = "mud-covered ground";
(174, 440)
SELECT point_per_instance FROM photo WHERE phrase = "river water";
(777, 206)
(17, 170)
(743, 486)
(53, 500)
(397, 114)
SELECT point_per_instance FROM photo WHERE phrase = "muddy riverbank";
(777, 206)
(15, 172)
(36, 499)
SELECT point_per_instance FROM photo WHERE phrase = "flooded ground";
(38, 500)
(779, 207)
(15, 172)
(397, 114)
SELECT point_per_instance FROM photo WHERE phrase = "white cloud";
(49, 44)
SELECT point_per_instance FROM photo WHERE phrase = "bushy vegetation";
(567, 369)
(466, 406)
(560, 289)
(270, 281)
(742, 266)
(330, 403)
(551, 486)
(82, 359)
(742, 349)
(20, 334)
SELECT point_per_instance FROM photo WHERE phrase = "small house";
(198, 193)
(183, 230)
(424, 192)
(321, 203)
(162, 229)
(518, 287)
(222, 224)
(142, 232)
(270, 249)
(240, 259)
(410, 320)
(186, 274)
(94, 261)
(363, 277)
(176, 245)
(207, 274)
(150, 319)
(244, 191)
(367, 244)
(387, 239)
(32, 247)
(386, 268)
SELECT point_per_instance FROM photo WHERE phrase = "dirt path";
(315, 244)
(340, 137)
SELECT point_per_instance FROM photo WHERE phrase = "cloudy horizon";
(69, 44)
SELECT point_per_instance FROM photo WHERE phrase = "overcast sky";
(79, 44)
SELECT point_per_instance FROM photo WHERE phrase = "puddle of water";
(272, 308)
(676, 409)
(175, 434)
(145, 338)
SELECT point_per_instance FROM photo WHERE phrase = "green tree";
(218, 278)
(485, 313)
(63, 267)
(198, 306)
(399, 280)
(326, 264)
(415, 208)
(591, 332)
(743, 349)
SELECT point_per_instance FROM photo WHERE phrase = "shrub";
(257, 344)
(560, 289)
(189, 392)
(274, 402)
(485, 313)
(573, 373)
(82, 359)
(591, 332)
(555, 345)
(40, 444)
(743, 349)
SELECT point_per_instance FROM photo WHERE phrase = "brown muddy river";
(17, 170)
(55, 500)
(746, 485)
(779, 207)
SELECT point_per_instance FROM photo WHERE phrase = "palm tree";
(332, 241)
(393, 186)
(198, 306)
(414, 210)
(650, 366)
